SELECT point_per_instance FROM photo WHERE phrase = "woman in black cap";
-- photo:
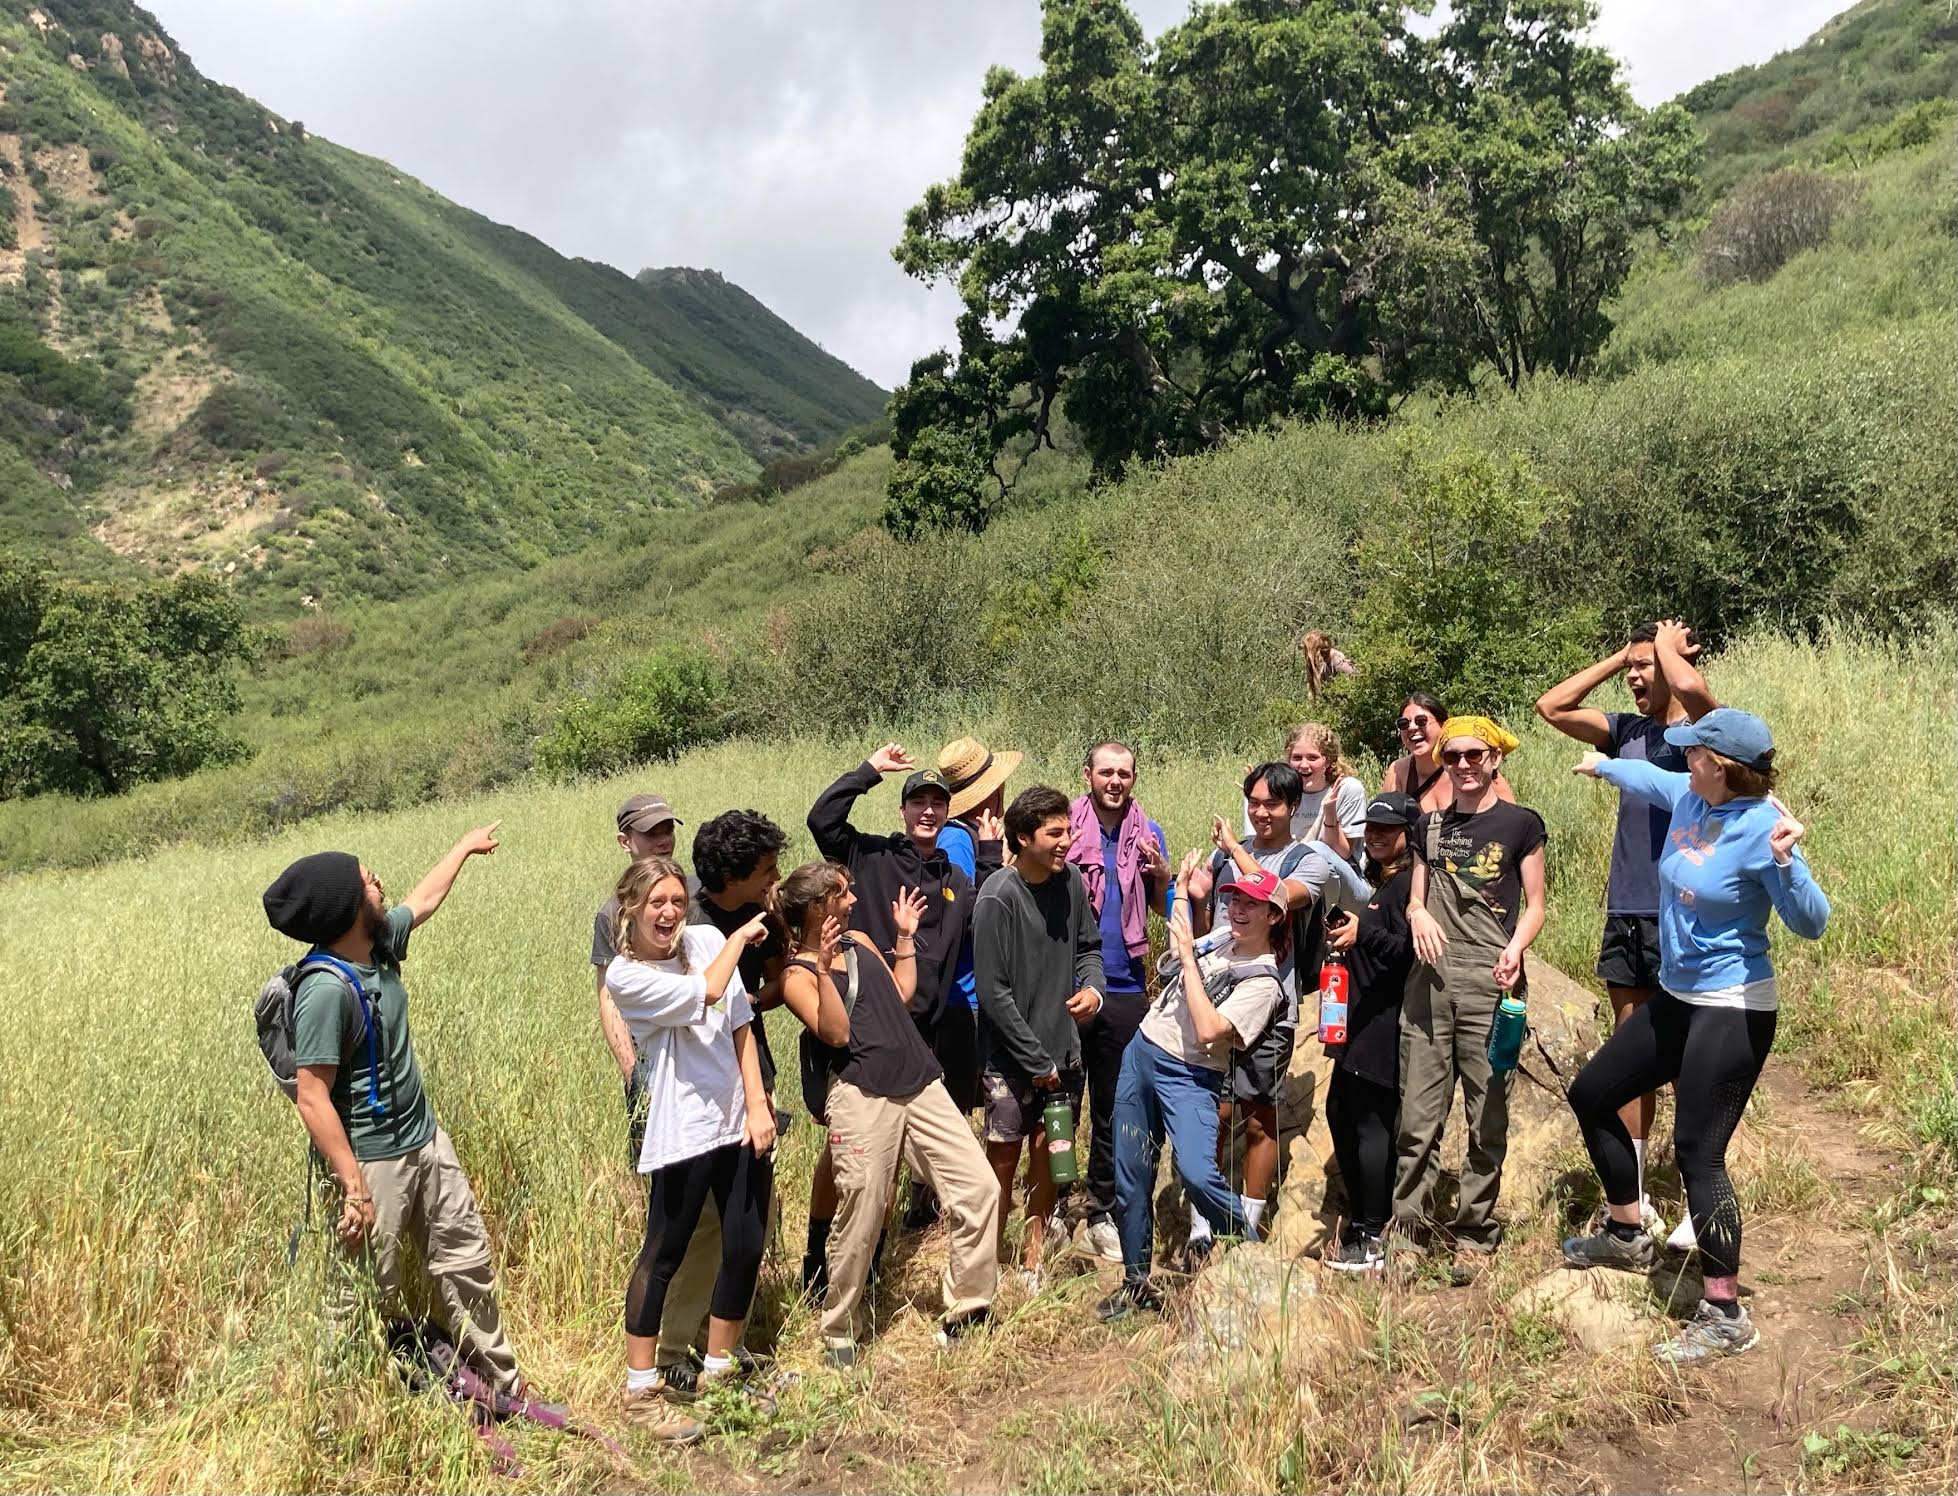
(1364, 1097)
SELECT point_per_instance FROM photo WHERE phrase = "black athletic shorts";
(1629, 955)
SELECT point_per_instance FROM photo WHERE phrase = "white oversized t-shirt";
(1253, 997)
(694, 1099)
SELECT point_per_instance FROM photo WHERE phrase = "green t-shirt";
(327, 1031)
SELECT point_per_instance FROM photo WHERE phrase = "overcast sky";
(777, 141)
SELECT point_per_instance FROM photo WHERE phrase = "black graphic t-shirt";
(1486, 851)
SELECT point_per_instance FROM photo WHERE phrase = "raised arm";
(1662, 787)
(1208, 1024)
(907, 909)
(1562, 706)
(809, 992)
(829, 817)
(1676, 652)
(1797, 898)
(426, 896)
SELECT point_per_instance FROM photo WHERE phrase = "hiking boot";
(653, 1416)
(1134, 1294)
(957, 1325)
(1363, 1254)
(678, 1382)
(1708, 1336)
(1606, 1249)
(922, 1213)
(1104, 1241)
(1196, 1254)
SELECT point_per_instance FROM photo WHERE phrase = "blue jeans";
(1157, 1096)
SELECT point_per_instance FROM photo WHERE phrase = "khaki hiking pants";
(425, 1196)
(867, 1136)
(1444, 1031)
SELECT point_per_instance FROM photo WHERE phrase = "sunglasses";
(1404, 724)
(1468, 756)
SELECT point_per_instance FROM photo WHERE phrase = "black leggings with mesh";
(1713, 1056)
(1360, 1114)
(741, 1185)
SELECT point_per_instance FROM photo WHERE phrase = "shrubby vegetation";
(1767, 220)
(103, 688)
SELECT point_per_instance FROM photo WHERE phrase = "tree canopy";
(1278, 208)
(102, 688)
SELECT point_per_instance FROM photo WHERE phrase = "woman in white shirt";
(709, 1126)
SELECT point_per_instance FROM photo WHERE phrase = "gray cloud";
(778, 141)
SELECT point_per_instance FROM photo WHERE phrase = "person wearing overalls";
(1475, 906)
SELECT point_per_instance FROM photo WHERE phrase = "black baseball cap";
(925, 779)
(1391, 808)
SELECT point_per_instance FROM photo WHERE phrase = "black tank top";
(886, 1055)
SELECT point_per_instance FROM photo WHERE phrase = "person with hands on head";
(361, 1099)
(1271, 795)
(1732, 861)
(1363, 1096)
(885, 1100)
(1173, 1082)
(1124, 862)
(710, 1125)
(1666, 690)
(1475, 904)
(1036, 950)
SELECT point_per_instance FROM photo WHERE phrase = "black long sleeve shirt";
(1033, 947)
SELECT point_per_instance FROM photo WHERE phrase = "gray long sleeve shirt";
(1033, 947)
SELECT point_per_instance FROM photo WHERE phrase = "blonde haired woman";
(709, 1126)
(1333, 805)
(1322, 662)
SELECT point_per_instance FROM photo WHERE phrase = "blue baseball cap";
(1735, 734)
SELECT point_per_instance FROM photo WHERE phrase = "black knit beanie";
(317, 899)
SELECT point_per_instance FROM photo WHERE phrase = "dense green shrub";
(661, 706)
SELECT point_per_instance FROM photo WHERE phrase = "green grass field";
(151, 1335)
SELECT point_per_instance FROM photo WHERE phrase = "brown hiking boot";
(651, 1414)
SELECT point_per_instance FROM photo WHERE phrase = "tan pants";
(867, 1136)
(425, 1196)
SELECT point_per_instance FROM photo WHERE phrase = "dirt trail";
(922, 1424)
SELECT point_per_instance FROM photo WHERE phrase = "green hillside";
(224, 342)
(1880, 70)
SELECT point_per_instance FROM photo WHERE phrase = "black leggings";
(1361, 1115)
(741, 1184)
(1714, 1056)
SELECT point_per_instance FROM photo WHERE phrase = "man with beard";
(1124, 863)
(360, 1095)
(1667, 689)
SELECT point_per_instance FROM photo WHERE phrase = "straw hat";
(974, 771)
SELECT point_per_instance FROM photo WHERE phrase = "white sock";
(715, 1366)
(641, 1381)
(1199, 1225)
(1638, 1153)
(1254, 1210)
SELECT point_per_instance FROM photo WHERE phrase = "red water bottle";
(1334, 983)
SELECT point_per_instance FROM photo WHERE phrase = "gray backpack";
(272, 1014)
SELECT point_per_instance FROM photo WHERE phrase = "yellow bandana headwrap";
(1478, 727)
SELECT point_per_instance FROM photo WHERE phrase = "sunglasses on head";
(1469, 756)
(1404, 724)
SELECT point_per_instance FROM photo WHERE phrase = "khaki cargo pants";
(867, 1135)
(1444, 1032)
(425, 1196)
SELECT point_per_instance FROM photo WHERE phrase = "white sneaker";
(1650, 1221)
(1031, 1280)
(1682, 1238)
(1104, 1241)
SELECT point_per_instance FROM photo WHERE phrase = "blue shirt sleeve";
(956, 843)
(1796, 896)
(1661, 787)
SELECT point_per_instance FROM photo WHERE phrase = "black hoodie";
(881, 865)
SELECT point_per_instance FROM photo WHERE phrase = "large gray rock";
(1254, 1303)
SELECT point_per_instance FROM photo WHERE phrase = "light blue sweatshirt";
(1717, 882)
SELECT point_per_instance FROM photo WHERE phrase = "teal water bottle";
(1063, 1163)
(1506, 1033)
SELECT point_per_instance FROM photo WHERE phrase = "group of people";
(991, 958)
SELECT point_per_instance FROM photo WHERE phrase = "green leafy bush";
(656, 709)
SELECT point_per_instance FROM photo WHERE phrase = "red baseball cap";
(1264, 885)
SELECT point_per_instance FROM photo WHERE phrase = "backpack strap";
(320, 961)
(852, 979)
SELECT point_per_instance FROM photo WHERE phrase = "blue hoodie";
(1717, 882)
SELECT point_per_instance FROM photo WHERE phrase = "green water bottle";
(1506, 1034)
(1063, 1163)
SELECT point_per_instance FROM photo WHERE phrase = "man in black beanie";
(361, 1096)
